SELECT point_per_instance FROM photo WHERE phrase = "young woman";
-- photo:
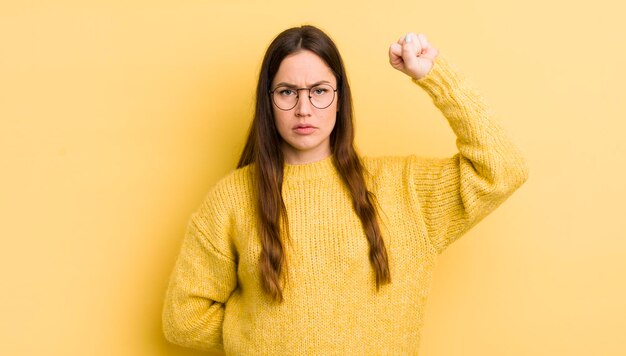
(308, 248)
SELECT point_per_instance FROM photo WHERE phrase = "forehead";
(303, 68)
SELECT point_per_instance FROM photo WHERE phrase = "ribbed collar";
(321, 168)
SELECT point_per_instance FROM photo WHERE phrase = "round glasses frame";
(297, 90)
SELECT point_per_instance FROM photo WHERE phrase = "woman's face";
(305, 129)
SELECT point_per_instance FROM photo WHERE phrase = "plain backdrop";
(116, 117)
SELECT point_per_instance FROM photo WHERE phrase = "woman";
(308, 248)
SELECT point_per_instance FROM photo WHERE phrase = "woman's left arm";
(456, 193)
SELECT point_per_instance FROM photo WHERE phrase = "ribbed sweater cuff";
(441, 74)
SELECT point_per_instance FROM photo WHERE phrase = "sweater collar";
(321, 168)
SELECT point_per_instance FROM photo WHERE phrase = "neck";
(295, 157)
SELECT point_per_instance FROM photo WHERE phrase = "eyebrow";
(289, 85)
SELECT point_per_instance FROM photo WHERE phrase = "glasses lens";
(285, 98)
(322, 96)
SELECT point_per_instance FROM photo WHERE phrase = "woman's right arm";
(204, 276)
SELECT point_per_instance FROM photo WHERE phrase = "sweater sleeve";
(458, 192)
(204, 276)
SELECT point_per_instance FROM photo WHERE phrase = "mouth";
(304, 129)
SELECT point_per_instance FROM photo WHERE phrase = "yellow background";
(117, 118)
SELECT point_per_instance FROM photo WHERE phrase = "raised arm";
(204, 276)
(456, 193)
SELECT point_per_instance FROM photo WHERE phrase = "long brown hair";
(263, 149)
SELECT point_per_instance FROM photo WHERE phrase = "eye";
(286, 92)
(319, 91)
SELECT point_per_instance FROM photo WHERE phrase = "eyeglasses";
(321, 96)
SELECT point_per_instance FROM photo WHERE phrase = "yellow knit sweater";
(331, 305)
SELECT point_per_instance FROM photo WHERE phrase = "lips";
(304, 129)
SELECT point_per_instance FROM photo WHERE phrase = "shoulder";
(231, 192)
(236, 182)
(390, 164)
(410, 167)
(385, 170)
(226, 202)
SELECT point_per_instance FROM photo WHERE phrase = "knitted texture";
(331, 305)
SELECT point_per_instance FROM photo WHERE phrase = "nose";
(303, 106)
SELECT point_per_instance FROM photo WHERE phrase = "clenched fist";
(413, 55)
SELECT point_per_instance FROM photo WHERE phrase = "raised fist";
(413, 55)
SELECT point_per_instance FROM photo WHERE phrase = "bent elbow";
(196, 330)
(517, 173)
(175, 329)
(512, 177)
